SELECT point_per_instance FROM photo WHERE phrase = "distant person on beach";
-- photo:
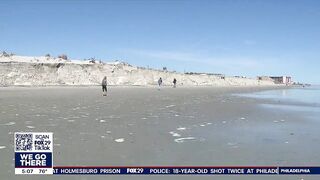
(160, 82)
(174, 83)
(104, 86)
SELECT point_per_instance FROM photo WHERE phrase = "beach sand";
(149, 127)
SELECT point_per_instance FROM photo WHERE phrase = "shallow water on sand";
(302, 100)
(309, 95)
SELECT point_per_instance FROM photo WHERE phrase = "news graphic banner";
(34, 155)
(33, 152)
(186, 170)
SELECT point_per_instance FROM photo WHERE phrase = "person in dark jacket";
(160, 82)
(104, 86)
(174, 83)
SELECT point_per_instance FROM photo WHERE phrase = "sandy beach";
(145, 126)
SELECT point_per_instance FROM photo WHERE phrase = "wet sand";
(144, 126)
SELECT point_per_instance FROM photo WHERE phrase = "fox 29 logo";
(33, 152)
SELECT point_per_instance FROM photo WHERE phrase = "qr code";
(24, 142)
(42, 142)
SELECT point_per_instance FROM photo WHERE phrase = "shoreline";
(276, 86)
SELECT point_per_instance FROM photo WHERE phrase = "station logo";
(33, 152)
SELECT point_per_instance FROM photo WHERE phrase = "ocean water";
(309, 95)
(293, 99)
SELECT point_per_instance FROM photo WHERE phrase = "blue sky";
(233, 37)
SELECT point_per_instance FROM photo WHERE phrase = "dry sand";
(145, 126)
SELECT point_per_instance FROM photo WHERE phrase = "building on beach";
(281, 79)
(264, 78)
(277, 79)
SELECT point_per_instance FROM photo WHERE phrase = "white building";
(281, 79)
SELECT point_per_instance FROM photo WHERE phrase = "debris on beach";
(233, 144)
(174, 134)
(120, 140)
(242, 118)
(2, 147)
(76, 108)
(30, 127)
(102, 121)
(172, 105)
(181, 140)
(181, 128)
(9, 123)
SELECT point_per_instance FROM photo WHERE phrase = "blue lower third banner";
(33, 159)
(189, 170)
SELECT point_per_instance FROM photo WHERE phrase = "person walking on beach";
(174, 83)
(160, 82)
(104, 86)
